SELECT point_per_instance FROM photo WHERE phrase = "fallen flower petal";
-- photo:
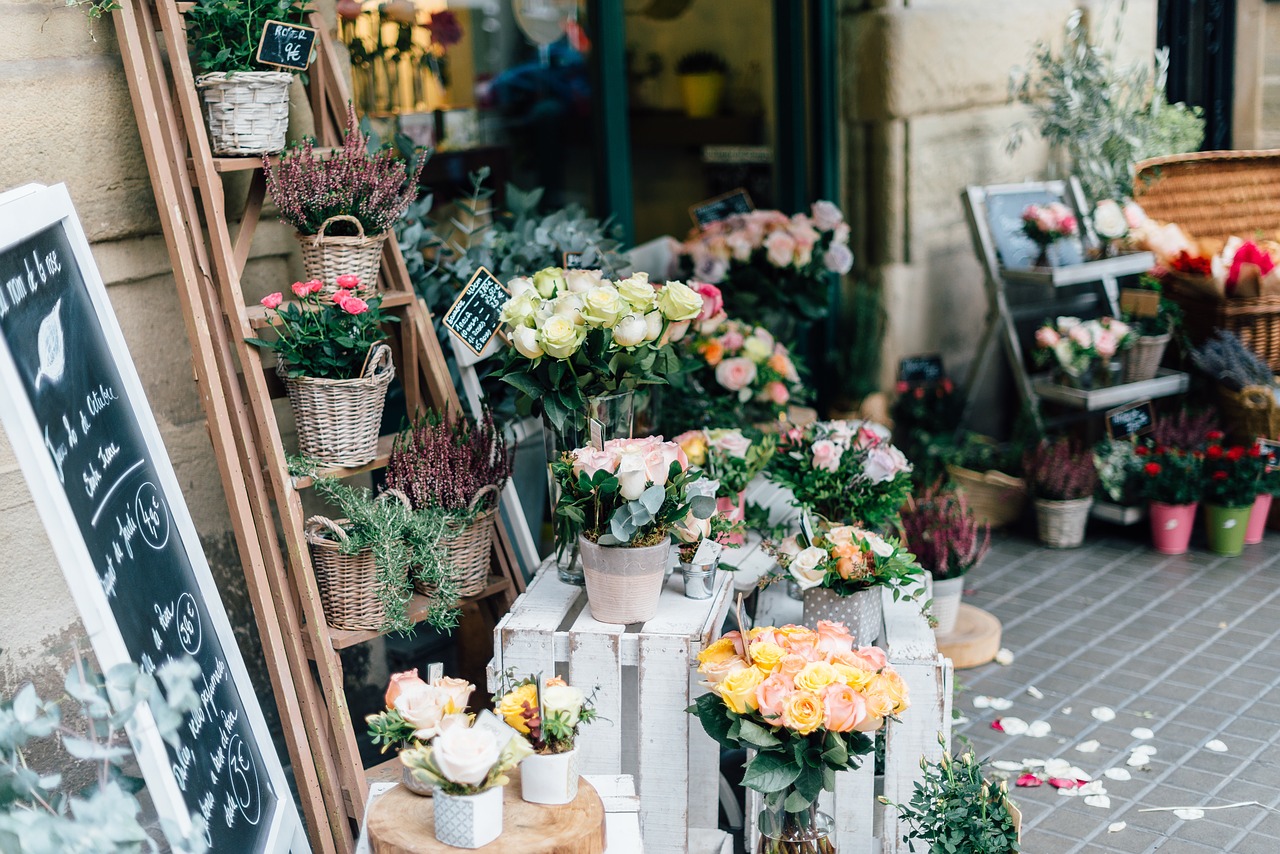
(1013, 726)
(1063, 783)
(1104, 714)
(997, 725)
(1006, 765)
(1216, 746)
(1028, 781)
(981, 702)
(1142, 733)
(1038, 729)
(1189, 814)
(1004, 657)
(1117, 774)
(1090, 746)
(1138, 760)
(1116, 826)
(1035, 692)
(1101, 801)
(1001, 704)
(1091, 787)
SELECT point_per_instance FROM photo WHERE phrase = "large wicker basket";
(1249, 414)
(247, 112)
(326, 258)
(1142, 360)
(468, 546)
(996, 498)
(348, 582)
(1215, 194)
(339, 421)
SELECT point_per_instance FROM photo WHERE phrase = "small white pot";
(468, 821)
(550, 778)
(947, 593)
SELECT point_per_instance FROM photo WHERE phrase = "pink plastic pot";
(733, 511)
(1258, 520)
(1171, 526)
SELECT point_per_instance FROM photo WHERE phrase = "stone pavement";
(1184, 646)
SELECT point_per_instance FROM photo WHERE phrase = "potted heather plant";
(343, 205)
(701, 76)
(549, 713)
(457, 466)
(1232, 480)
(946, 539)
(1171, 482)
(415, 712)
(1062, 480)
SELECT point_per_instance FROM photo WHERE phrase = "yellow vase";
(702, 94)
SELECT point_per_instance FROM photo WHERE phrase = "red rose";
(1141, 450)
(1152, 469)
(1219, 475)
(1214, 435)
(901, 387)
(1235, 454)
(1255, 451)
(1214, 452)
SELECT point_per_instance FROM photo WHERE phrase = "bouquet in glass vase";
(1082, 350)
(803, 702)
(1045, 225)
(845, 471)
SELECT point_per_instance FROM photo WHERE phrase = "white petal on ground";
(1116, 826)
(1033, 763)
(1138, 760)
(1216, 746)
(1006, 765)
(1004, 657)
(1057, 767)
(1001, 704)
(1013, 726)
(1104, 714)
(1094, 787)
(1189, 813)
(1070, 793)
(1090, 746)
(1117, 774)
(1142, 733)
(1145, 749)
(1067, 710)
(1098, 801)
(1035, 692)
(981, 702)
(1038, 729)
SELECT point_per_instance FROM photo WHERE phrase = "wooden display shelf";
(1081, 274)
(380, 461)
(257, 314)
(1166, 383)
(1118, 514)
(416, 611)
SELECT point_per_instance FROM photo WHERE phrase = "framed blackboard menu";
(80, 425)
(286, 46)
(721, 207)
(919, 370)
(1136, 419)
(473, 317)
(1016, 250)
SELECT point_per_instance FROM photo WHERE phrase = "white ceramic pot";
(549, 778)
(947, 593)
(861, 613)
(468, 821)
(412, 783)
(624, 584)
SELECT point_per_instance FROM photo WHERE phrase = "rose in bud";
(272, 301)
(631, 331)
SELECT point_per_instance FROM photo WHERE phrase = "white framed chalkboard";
(80, 425)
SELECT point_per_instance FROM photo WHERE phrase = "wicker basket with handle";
(468, 546)
(1216, 194)
(326, 258)
(348, 582)
(338, 421)
(247, 112)
(1142, 360)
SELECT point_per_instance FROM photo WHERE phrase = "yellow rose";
(720, 650)
(757, 350)
(694, 445)
(601, 306)
(549, 282)
(879, 703)
(803, 712)
(517, 706)
(738, 690)
(767, 656)
(891, 684)
(855, 677)
(560, 337)
(677, 301)
(638, 293)
(815, 676)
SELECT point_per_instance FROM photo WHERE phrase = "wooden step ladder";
(237, 389)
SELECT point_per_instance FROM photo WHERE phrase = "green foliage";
(95, 8)
(389, 728)
(858, 357)
(36, 818)
(223, 35)
(317, 337)
(1170, 475)
(982, 454)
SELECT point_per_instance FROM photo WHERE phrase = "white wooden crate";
(644, 679)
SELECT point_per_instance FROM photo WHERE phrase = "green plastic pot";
(1226, 528)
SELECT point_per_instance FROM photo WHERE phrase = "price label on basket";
(473, 317)
(285, 46)
(1136, 419)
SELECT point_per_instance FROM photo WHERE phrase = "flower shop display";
(1045, 225)
(1237, 268)
(841, 570)
(246, 104)
(455, 465)
(773, 268)
(701, 75)
(368, 560)
(342, 205)
(336, 367)
(1119, 464)
(415, 711)
(549, 712)
(989, 474)
(1062, 479)
(1268, 487)
(399, 55)
(467, 765)
(1081, 350)
(1232, 480)
(1248, 393)
(1171, 481)
(845, 471)
(804, 702)
(621, 502)
(941, 531)
(955, 809)
(733, 460)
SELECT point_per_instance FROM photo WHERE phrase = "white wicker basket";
(247, 111)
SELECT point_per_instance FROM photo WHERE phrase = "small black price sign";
(1136, 419)
(1271, 450)
(573, 260)
(285, 45)
(918, 370)
(473, 317)
(721, 207)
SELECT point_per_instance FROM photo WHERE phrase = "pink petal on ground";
(1063, 783)
(996, 725)
(1028, 781)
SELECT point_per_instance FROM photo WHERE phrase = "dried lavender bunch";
(443, 462)
(1060, 471)
(1186, 430)
(941, 531)
(374, 188)
(1225, 358)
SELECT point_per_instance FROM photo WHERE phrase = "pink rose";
(712, 300)
(400, 681)
(781, 248)
(354, 305)
(1106, 343)
(348, 281)
(339, 295)
(733, 443)
(777, 393)
(1081, 336)
(884, 463)
(844, 707)
(826, 216)
(732, 341)
(792, 664)
(834, 637)
(736, 374)
(590, 461)
(272, 300)
(803, 234)
(873, 657)
(826, 455)
(300, 289)
(1046, 337)
(656, 466)
(772, 693)
(838, 259)
(740, 245)
(736, 637)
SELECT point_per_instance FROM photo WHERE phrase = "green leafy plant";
(1167, 319)
(982, 454)
(37, 816)
(701, 62)
(955, 810)
(95, 8)
(324, 337)
(223, 35)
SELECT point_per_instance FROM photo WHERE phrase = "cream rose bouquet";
(549, 712)
(805, 701)
(464, 759)
(846, 559)
(575, 335)
(416, 709)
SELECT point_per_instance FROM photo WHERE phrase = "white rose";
(652, 325)
(1109, 220)
(466, 755)
(880, 547)
(602, 306)
(560, 337)
(564, 701)
(422, 707)
(678, 301)
(732, 442)
(630, 331)
(884, 463)
(458, 691)
(806, 567)
(521, 310)
(525, 340)
(570, 306)
(632, 476)
(581, 281)
(638, 293)
(549, 282)
(757, 349)
(519, 285)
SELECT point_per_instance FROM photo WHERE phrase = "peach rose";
(738, 690)
(834, 637)
(874, 657)
(792, 664)
(845, 708)
(718, 671)
(458, 691)
(892, 686)
(775, 392)
(399, 681)
(803, 712)
(772, 694)
(855, 677)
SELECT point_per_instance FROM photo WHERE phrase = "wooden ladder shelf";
(237, 390)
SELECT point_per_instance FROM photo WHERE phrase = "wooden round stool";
(975, 639)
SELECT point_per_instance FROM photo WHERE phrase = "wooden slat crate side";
(595, 666)
(663, 729)
(929, 684)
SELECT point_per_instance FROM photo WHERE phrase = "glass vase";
(805, 832)
(609, 416)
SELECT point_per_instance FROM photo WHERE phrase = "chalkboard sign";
(1136, 419)
(918, 370)
(1014, 249)
(721, 207)
(573, 260)
(473, 317)
(75, 411)
(285, 45)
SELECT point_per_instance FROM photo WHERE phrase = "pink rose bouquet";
(416, 709)
(1077, 346)
(847, 559)
(1047, 224)
(803, 701)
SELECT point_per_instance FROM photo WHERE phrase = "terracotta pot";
(1171, 526)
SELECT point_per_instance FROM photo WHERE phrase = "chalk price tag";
(708, 552)
(1137, 419)
(573, 261)
(285, 46)
(721, 207)
(1139, 302)
(917, 370)
(473, 317)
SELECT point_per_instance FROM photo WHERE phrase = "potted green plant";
(1171, 481)
(701, 76)
(955, 810)
(946, 539)
(1062, 478)
(1232, 480)
(246, 105)
(549, 712)
(457, 466)
(1152, 331)
(336, 367)
(342, 205)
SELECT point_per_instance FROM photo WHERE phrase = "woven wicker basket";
(1249, 414)
(338, 421)
(348, 582)
(247, 111)
(468, 546)
(1142, 360)
(326, 258)
(1061, 524)
(1215, 194)
(996, 498)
